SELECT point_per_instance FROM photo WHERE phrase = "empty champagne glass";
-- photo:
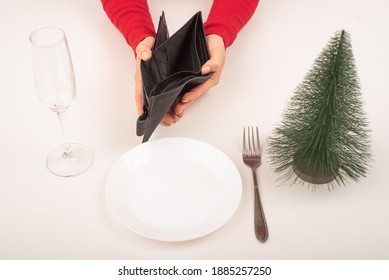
(55, 85)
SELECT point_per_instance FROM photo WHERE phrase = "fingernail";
(206, 70)
(185, 100)
(145, 55)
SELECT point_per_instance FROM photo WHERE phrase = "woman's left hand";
(215, 64)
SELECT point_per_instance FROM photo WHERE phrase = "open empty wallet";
(173, 70)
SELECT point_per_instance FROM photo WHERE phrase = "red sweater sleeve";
(228, 17)
(132, 18)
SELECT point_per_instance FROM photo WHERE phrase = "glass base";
(69, 164)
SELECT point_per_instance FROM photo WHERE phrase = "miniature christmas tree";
(324, 136)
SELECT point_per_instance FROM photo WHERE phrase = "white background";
(47, 217)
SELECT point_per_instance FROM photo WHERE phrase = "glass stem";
(67, 153)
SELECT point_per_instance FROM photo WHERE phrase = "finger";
(143, 52)
(181, 107)
(143, 49)
(198, 91)
(139, 99)
(138, 89)
(189, 97)
(213, 65)
(206, 69)
(168, 119)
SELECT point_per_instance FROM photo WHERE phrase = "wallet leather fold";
(173, 70)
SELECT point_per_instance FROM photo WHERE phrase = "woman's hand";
(217, 51)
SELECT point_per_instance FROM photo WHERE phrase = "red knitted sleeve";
(132, 18)
(227, 18)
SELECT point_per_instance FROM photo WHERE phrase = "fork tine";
(244, 141)
(258, 142)
(250, 140)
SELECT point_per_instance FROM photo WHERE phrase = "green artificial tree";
(323, 137)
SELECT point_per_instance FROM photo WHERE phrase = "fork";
(252, 158)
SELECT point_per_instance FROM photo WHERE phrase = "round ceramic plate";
(174, 189)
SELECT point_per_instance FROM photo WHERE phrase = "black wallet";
(173, 70)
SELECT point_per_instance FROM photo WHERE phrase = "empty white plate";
(174, 189)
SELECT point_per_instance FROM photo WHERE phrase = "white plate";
(174, 189)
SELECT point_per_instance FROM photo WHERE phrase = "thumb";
(145, 54)
(206, 69)
(143, 49)
(213, 65)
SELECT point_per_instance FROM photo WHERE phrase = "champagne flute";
(55, 85)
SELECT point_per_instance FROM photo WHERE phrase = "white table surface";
(43, 216)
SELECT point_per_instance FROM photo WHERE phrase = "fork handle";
(260, 225)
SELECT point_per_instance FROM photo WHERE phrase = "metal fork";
(252, 158)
